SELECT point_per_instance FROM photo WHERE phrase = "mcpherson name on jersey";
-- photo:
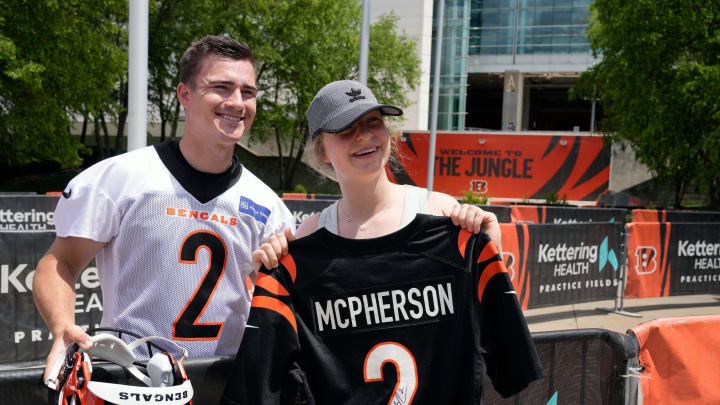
(386, 306)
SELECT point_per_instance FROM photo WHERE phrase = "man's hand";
(72, 333)
(272, 250)
(475, 219)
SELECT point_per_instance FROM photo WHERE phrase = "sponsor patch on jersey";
(387, 306)
(257, 211)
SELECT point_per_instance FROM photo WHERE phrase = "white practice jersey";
(173, 266)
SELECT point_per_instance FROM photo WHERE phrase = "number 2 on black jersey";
(186, 326)
(400, 356)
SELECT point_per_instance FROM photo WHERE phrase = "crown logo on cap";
(355, 95)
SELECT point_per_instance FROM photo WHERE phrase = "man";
(172, 226)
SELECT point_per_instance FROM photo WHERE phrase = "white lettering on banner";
(707, 263)
(92, 303)
(39, 335)
(8, 278)
(577, 285)
(567, 221)
(13, 220)
(15, 280)
(572, 269)
(699, 248)
(300, 216)
(390, 306)
(702, 278)
(563, 253)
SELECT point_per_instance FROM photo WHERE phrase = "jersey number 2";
(186, 326)
(405, 366)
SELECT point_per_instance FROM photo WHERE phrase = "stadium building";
(505, 64)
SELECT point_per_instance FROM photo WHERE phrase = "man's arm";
(54, 291)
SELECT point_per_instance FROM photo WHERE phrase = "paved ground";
(585, 315)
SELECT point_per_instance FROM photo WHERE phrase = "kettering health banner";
(301, 209)
(27, 213)
(502, 165)
(563, 264)
(23, 334)
(675, 258)
(566, 215)
(641, 215)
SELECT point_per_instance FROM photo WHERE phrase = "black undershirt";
(203, 186)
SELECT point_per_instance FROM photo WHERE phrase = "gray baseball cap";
(338, 105)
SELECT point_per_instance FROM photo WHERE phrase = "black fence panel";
(582, 367)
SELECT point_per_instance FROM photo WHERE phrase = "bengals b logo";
(509, 259)
(645, 260)
(479, 186)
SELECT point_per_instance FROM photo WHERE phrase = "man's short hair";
(222, 45)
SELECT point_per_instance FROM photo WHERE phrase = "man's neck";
(206, 157)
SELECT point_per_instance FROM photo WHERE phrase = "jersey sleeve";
(508, 349)
(86, 211)
(280, 219)
(267, 366)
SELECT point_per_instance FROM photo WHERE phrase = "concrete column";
(513, 90)
(525, 108)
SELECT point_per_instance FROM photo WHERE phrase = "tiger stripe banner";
(643, 215)
(667, 258)
(563, 264)
(545, 214)
(573, 167)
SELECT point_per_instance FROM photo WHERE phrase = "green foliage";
(299, 188)
(61, 60)
(302, 45)
(470, 197)
(554, 198)
(659, 83)
(55, 61)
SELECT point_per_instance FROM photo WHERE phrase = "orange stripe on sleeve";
(488, 252)
(289, 264)
(463, 237)
(270, 284)
(276, 305)
(490, 271)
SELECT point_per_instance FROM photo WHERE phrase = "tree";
(659, 84)
(55, 62)
(301, 45)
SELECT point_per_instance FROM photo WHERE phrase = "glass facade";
(453, 64)
(512, 27)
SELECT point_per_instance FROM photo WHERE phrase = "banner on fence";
(573, 167)
(544, 214)
(23, 334)
(502, 212)
(641, 215)
(562, 264)
(678, 360)
(301, 209)
(581, 367)
(672, 259)
(27, 213)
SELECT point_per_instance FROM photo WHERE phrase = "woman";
(370, 285)
(348, 133)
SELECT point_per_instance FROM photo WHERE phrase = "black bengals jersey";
(415, 317)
